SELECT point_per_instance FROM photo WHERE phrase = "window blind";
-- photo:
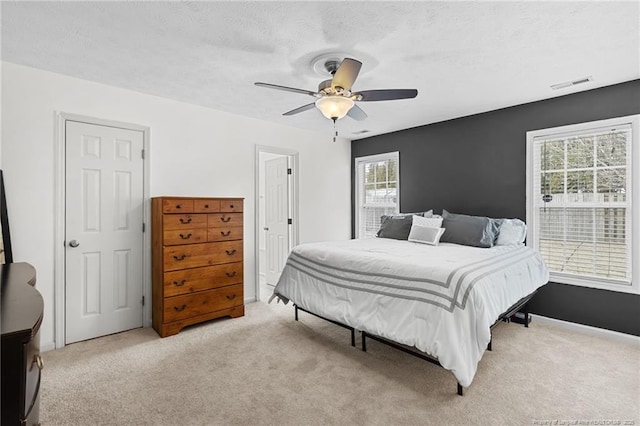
(582, 202)
(377, 191)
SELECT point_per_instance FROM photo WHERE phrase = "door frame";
(59, 213)
(293, 194)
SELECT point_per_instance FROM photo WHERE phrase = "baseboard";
(49, 346)
(586, 329)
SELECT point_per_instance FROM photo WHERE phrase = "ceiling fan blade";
(285, 88)
(301, 109)
(357, 113)
(386, 95)
(346, 73)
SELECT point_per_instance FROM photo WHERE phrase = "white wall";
(195, 151)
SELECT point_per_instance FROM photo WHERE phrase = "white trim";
(294, 201)
(58, 232)
(634, 196)
(59, 215)
(394, 155)
(587, 329)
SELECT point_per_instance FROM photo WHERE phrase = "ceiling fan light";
(334, 107)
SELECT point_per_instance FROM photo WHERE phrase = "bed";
(441, 300)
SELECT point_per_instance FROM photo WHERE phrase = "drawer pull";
(179, 308)
(185, 221)
(231, 252)
(179, 257)
(231, 274)
(178, 206)
(231, 206)
(206, 206)
(37, 360)
(185, 237)
(231, 296)
(179, 284)
(225, 219)
(225, 234)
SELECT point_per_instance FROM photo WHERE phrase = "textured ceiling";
(463, 57)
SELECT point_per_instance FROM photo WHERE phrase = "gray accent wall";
(477, 165)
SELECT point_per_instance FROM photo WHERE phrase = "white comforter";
(442, 300)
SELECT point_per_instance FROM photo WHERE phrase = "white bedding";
(441, 299)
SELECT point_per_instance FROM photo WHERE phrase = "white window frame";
(634, 226)
(358, 190)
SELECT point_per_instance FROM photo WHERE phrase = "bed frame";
(521, 305)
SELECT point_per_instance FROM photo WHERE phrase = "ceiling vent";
(571, 83)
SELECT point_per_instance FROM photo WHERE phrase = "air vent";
(571, 83)
(360, 132)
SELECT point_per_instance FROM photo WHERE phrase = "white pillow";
(430, 222)
(512, 232)
(425, 234)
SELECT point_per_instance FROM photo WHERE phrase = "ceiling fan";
(335, 98)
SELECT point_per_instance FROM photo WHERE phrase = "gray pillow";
(475, 231)
(395, 227)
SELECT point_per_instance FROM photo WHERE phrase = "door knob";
(266, 229)
(73, 243)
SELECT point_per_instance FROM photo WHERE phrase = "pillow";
(475, 231)
(429, 222)
(512, 231)
(395, 227)
(425, 234)
(496, 223)
(428, 213)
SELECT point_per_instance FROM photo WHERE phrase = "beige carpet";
(265, 368)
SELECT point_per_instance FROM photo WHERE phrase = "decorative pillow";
(395, 227)
(434, 221)
(512, 231)
(475, 231)
(425, 234)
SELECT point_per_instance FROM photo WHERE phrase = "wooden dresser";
(197, 255)
(21, 315)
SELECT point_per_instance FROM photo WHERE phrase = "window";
(582, 208)
(377, 191)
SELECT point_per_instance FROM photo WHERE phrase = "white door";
(276, 217)
(104, 240)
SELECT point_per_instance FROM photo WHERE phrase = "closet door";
(104, 239)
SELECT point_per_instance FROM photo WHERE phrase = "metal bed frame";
(520, 305)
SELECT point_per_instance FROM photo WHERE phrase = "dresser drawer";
(225, 220)
(205, 254)
(198, 279)
(174, 237)
(206, 206)
(224, 234)
(204, 302)
(177, 206)
(231, 205)
(184, 221)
